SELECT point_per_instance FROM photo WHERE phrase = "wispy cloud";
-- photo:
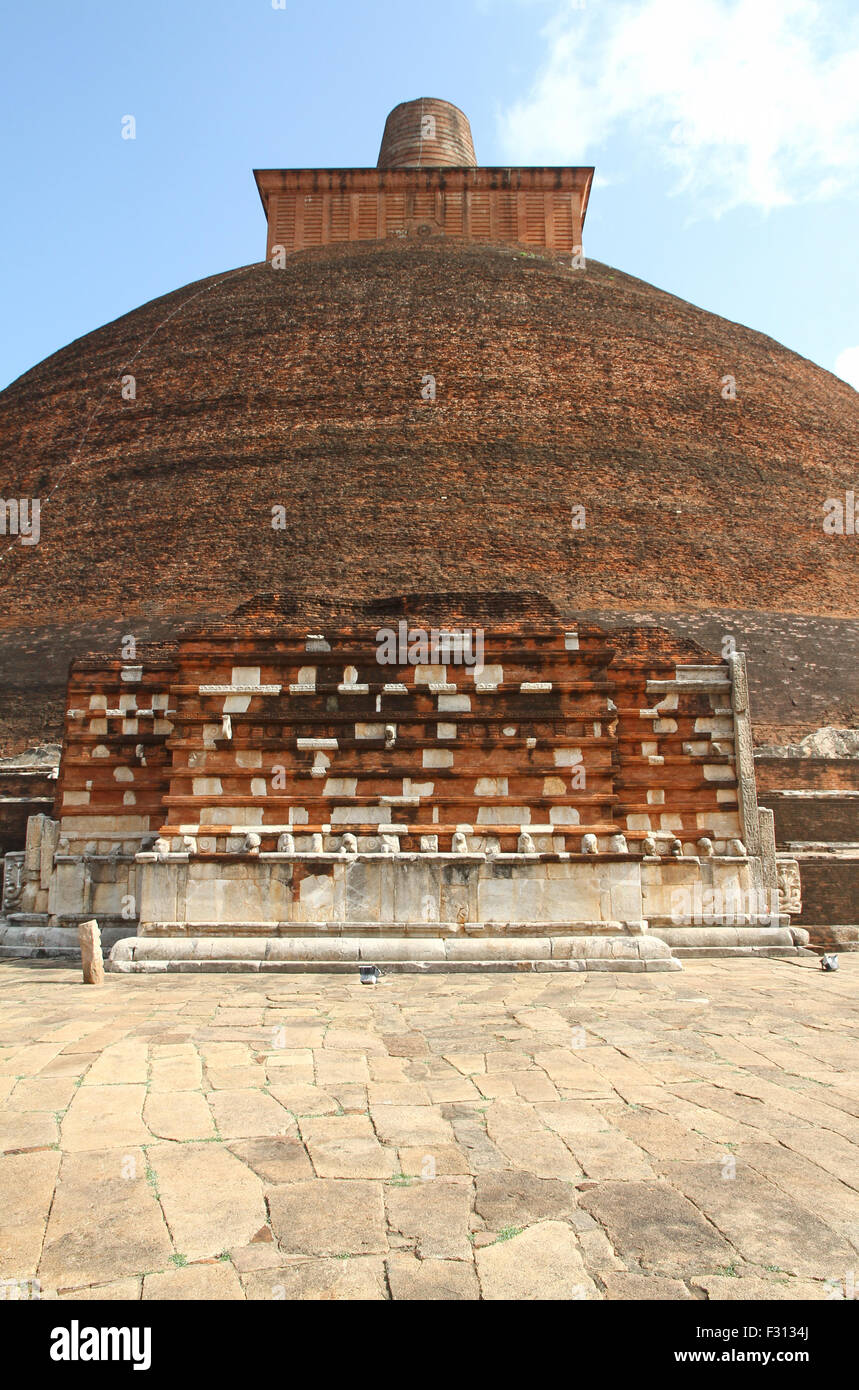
(847, 366)
(750, 102)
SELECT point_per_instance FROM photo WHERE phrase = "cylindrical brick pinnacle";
(425, 134)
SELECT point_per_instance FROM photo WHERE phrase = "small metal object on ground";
(369, 974)
(828, 961)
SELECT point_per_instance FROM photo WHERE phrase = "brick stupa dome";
(304, 388)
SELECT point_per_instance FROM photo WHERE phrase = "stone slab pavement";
(517, 1136)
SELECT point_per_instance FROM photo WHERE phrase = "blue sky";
(725, 134)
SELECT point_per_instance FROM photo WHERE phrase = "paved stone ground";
(683, 1136)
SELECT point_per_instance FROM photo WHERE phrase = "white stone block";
(491, 786)
(359, 815)
(234, 815)
(504, 815)
(245, 675)
(566, 757)
(714, 724)
(446, 731)
(206, 786)
(248, 758)
(316, 897)
(453, 703)
(725, 824)
(340, 786)
(418, 789)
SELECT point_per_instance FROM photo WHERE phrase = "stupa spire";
(426, 133)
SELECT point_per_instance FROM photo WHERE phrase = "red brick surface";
(555, 388)
(561, 735)
(426, 132)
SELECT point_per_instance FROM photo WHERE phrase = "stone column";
(92, 960)
(744, 755)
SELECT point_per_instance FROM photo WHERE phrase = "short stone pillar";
(92, 960)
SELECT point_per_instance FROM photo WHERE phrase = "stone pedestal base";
(31, 936)
(735, 941)
(395, 954)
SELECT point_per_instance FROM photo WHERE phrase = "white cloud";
(847, 366)
(751, 102)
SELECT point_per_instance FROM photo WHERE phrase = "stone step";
(155, 955)
(383, 930)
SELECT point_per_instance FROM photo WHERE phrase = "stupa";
(425, 406)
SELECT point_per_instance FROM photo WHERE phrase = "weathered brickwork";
(426, 132)
(554, 388)
(316, 207)
(24, 792)
(557, 735)
(420, 397)
(426, 185)
(114, 772)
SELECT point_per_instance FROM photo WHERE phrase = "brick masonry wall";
(559, 734)
(807, 774)
(22, 794)
(830, 893)
(555, 388)
(829, 817)
(533, 207)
